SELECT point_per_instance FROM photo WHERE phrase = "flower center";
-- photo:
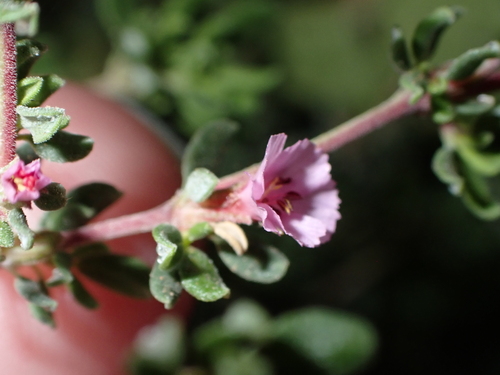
(277, 197)
(25, 182)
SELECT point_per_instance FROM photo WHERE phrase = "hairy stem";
(8, 95)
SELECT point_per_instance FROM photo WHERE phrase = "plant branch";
(8, 94)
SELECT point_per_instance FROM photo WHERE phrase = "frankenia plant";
(290, 192)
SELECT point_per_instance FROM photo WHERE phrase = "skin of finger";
(95, 342)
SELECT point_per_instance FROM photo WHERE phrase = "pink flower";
(22, 183)
(292, 192)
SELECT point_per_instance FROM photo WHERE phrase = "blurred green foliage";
(406, 254)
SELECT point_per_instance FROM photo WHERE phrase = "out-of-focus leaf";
(65, 147)
(429, 30)
(123, 274)
(19, 225)
(52, 197)
(200, 184)
(400, 54)
(466, 64)
(338, 342)
(206, 147)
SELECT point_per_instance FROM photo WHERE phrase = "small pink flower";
(293, 192)
(22, 183)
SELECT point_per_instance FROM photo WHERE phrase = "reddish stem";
(8, 93)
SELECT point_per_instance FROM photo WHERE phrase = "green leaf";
(52, 197)
(6, 235)
(200, 184)
(90, 250)
(71, 216)
(240, 361)
(160, 347)
(207, 146)
(26, 152)
(482, 104)
(11, 11)
(444, 165)
(429, 30)
(84, 203)
(169, 244)
(164, 286)
(42, 315)
(337, 342)
(484, 163)
(35, 292)
(42, 122)
(199, 231)
(442, 110)
(65, 147)
(19, 225)
(28, 51)
(476, 195)
(465, 65)
(33, 91)
(123, 274)
(400, 53)
(61, 274)
(264, 264)
(200, 277)
(81, 295)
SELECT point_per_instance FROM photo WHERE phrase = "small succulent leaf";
(167, 234)
(337, 342)
(28, 51)
(443, 111)
(81, 295)
(33, 91)
(264, 264)
(6, 235)
(200, 277)
(34, 292)
(168, 246)
(400, 54)
(42, 315)
(444, 166)
(26, 152)
(42, 122)
(233, 235)
(430, 29)
(164, 286)
(52, 197)
(18, 12)
(476, 195)
(19, 225)
(200, 184)
(484, 163)
(465, 65)
(65, 147)
(476, 107)
(198, 232)
(207, 146)
(123, 274)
